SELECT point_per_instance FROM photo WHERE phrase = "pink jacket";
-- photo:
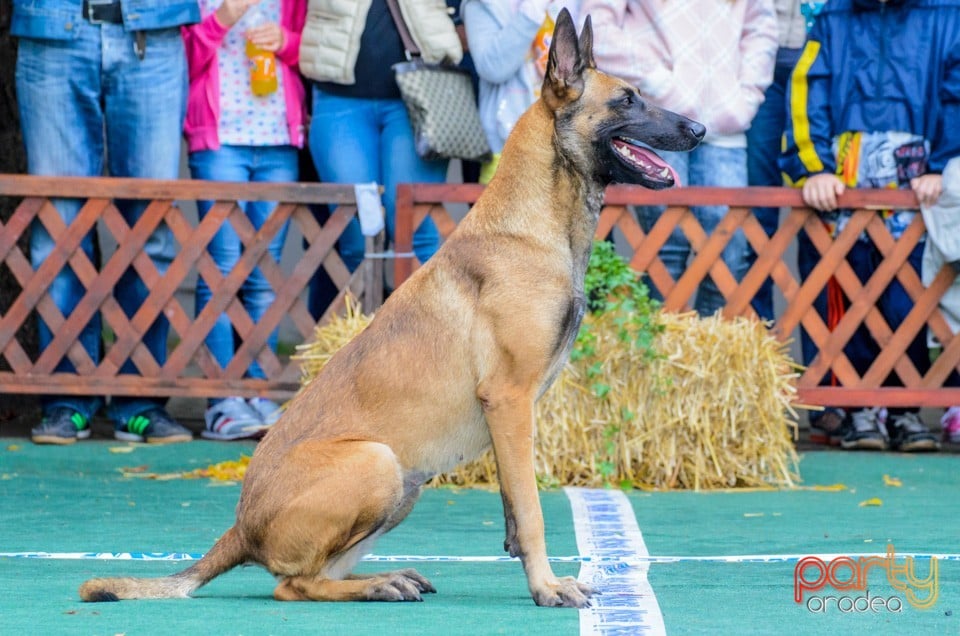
(710, 60)
(203, 103)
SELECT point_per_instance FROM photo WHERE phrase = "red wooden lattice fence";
(416, 201)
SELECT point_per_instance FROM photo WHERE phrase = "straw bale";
(711, 410)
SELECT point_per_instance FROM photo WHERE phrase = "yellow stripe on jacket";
(798, 109)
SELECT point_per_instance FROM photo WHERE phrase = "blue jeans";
(705, 165)
(81, 100)
(763, 151)
(242, 163)
(355, 140)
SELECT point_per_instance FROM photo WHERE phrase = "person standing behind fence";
(509, 41)
(710, 60)
(873, 102)
(244, 123)
(766, 130)
(96, 82)
(359, 130)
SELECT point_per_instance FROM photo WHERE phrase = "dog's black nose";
(696, 129)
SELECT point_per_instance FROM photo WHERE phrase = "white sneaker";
(269, 410)
(232, 418)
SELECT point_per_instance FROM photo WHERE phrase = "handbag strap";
(411, 47)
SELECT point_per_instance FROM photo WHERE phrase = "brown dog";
(451, 363)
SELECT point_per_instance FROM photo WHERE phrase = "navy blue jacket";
(870, 66)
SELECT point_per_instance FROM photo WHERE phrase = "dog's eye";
(632, 99)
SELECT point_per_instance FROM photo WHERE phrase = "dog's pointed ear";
(586, 44)
(563, 81)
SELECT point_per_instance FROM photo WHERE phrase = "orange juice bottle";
(263, 64)
(263, 70)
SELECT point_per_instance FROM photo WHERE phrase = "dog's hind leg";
(333, 585)
(401, 585)
(356, 494)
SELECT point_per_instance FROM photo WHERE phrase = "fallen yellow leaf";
(892, 481)
(830, 488)
(121, 449)
(228, 471)
(13, 448)
(873, 501)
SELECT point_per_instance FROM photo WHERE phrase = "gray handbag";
(440, 103)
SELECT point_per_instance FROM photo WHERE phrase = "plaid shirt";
(710, 60)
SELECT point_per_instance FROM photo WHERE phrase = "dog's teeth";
(665, 172)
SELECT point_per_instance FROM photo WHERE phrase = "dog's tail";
(227, 553)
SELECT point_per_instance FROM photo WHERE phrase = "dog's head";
(623, 130)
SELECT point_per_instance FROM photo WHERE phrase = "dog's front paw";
(564, 592)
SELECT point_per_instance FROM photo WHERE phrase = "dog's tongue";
(659, 164)
(647, 160)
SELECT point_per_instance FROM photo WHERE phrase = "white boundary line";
(608, 533)
(428, 558)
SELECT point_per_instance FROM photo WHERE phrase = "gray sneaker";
(269, 410)
(909, 434)
(153, 427)
(863, 431)
(61, 426)
(232, 418)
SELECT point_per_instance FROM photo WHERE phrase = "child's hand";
(267, 36)
(928, 188)
(820, 191)
(230, 12)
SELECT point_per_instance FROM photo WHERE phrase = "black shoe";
(154, 427)
(828, 427)
(61, 426)
(862, 431)
(908, 434)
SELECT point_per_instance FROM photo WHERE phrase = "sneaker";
(62, 426)
(951, 425)
(864, 431)
(268, 410)
(232, 418)
(153, 427)
(909, 434)
(828, 427)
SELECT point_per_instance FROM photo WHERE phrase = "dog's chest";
(567, 331)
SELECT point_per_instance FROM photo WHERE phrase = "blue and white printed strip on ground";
(607, 533)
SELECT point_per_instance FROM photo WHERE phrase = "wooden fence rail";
(189, 369)
(416, 201)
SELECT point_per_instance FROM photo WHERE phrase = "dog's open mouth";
(646, 161)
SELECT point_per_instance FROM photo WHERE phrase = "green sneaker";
(153, 427)
(61, 426)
